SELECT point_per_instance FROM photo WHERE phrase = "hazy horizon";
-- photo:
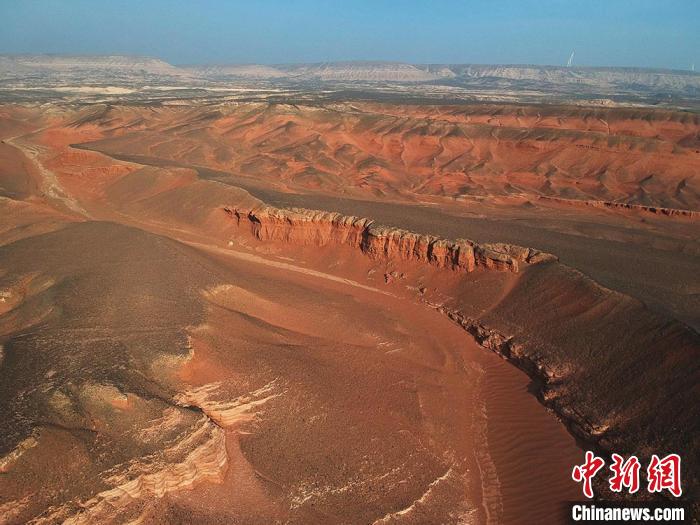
(642, 34)
(340, 61)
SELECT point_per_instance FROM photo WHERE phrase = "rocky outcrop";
(319, 228)
(226, 413)
(206, 460)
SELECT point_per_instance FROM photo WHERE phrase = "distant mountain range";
(98, 70)
(68, 64)
(401, 72)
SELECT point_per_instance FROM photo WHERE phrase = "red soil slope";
(641, 157)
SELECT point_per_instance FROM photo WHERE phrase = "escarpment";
(320, 228)
(656, 210)
(630, 417)
(531, 327)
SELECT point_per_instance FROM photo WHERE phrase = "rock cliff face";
(656, 210)
(319, 228)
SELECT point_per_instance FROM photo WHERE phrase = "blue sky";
(646, 33)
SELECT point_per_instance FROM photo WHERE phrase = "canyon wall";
(319, 228)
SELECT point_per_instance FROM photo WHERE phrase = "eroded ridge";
(320, 228)
(655, 210)
(528, 328)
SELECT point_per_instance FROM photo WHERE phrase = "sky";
(640, 33)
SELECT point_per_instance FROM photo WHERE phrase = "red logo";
(587, 472)
(662, 474)
(625, 474)
(665, 474)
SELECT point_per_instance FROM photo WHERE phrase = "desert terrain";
(340, 311)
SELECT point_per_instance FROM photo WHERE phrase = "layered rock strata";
(319, 228)
(656, 210)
